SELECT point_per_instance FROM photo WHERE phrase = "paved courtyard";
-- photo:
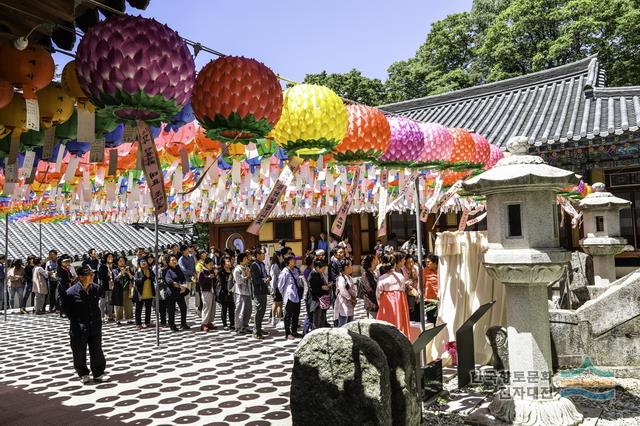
(191, 378)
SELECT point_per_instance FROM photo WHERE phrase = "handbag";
(325, 302)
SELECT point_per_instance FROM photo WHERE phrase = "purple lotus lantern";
(407, 143)
(135, 68)
(438, 142)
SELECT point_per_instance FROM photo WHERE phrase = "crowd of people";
(240, 284)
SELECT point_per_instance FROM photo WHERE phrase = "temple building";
(572, 119)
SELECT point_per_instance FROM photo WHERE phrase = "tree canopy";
(499, 39)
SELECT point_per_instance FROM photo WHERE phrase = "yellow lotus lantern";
(55, 105)
(314, 120)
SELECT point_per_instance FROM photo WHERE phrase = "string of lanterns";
(132, 69)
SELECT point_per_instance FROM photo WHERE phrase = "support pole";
(328, 230)
(5, 296)
(419, 243)
(40, 238)
(157, 283)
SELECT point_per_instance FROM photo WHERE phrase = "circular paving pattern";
(215, 378)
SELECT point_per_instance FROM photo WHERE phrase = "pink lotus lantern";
(483, 149)
(407, 143)
(438, 142)
(495, 156)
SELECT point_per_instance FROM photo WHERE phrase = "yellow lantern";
(71, 86)
(314, 120)
(13, 116)
(55, 105)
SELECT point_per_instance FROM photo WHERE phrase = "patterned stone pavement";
(191, 378)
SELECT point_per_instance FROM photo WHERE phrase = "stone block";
(340, 378)
(405, 405)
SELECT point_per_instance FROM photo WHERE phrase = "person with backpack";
(345, 294)
(319, 298)
(224, 296)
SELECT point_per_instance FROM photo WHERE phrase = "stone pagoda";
(525, 255)
(601, 211)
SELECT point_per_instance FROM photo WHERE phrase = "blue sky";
(299, 37)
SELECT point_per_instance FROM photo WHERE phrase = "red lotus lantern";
(29, 69)
(464, 147)
(368, 135)
(237, 99)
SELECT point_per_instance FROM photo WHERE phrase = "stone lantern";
(525, 255)
(601, 211)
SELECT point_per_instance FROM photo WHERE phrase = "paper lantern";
(464, 147)
(71, 85)
(135, 68)
(55, 105)
(483, 149)
(368, 135)
(237, 99)
(78, 148)
(183, 117)
(30, 69)
(6, 93)
(314, 120)
(407, 143)
(495, 156)
(266, 147)
(449, 177)
(235, 152)
(438, 142)
(13, 116)
(205, 144)
(69, 129)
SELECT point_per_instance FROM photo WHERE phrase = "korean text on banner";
(382, 206)
(151, 167)
(272, 200)
(341, 218)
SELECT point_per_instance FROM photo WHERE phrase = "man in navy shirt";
(85, 326)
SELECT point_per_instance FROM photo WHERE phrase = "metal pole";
(328, 230)
(5, 298)
(40, 238)
(157, 284)
(419, 242)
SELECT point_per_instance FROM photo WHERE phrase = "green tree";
(443, 63)
(532, 35)
(351, 85)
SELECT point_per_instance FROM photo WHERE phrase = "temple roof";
(77, 239)
(554, 106)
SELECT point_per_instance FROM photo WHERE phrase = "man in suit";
(80, 302)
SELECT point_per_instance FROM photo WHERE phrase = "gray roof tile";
(566, 103)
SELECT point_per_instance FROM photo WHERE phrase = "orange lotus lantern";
(483, 149)
(30, 69)
(368, 135)
(237, 99)
(6, 93)
(464, 147)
